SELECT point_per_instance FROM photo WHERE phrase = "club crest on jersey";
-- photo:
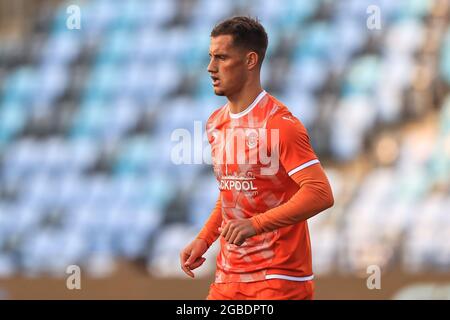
(252, 138)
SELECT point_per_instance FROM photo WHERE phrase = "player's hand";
(191, 256)
(238, 230)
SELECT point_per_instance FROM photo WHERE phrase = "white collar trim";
(249, 108)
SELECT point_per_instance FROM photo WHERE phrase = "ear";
(252, 60)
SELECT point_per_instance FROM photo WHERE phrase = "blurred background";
(88, 106)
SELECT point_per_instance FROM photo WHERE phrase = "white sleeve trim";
(303, 166)
(281, 276)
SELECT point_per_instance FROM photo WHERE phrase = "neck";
(239, 101)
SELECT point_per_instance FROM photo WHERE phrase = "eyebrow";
(218, 54)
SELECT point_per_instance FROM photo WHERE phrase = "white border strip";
(280, 276)
(303, 166)
(249, 108)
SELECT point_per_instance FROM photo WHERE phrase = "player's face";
(226, 66)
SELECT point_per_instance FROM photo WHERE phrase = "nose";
(211, 66)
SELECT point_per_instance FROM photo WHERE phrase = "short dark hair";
(247, 33)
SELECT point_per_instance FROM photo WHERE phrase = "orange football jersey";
(254, 154)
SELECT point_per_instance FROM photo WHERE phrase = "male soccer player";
(270, 179)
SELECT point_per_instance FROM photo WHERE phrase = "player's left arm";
(313, 197)
(300, 162)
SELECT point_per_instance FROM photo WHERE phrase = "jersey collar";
(249, 108)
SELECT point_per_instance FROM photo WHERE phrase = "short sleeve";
(294, 147)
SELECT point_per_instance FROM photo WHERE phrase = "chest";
(245, 152)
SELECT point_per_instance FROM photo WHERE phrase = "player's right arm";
(191, 257)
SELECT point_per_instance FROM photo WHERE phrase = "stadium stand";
(87, 116)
